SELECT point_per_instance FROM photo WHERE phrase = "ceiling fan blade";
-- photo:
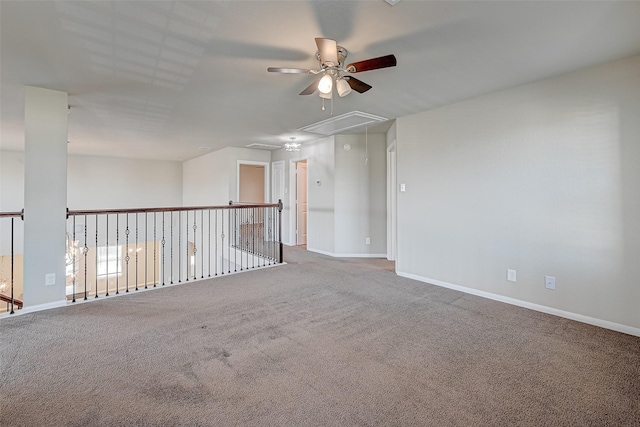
(372, 64)
(288, 70)
(311, 88)
(328, 49)
(357, 85)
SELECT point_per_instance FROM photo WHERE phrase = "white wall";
(108, 182)
(11, 181)
(346, 196)
(360, 195)
(543, 179)
(205, 180)
(95, 183)
(320, 219)
(321, 198)
(101, 182)
(211, 180)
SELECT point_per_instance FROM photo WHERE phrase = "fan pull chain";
(322, 104)
(366, 145)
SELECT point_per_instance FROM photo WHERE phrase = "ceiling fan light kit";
(325, 85)
(331, 58)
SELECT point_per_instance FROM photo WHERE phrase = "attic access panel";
(342, 123)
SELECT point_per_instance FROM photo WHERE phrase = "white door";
(301, 202)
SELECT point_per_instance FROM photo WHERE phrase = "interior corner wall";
(320, 158)
(542, 179)
(237, 154)
(205, 179)
(360, 195)
(211, 179)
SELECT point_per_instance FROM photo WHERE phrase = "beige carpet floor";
(316, 342)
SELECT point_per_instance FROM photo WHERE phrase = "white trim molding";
(335, 255)
(38, 307)
(625, 329)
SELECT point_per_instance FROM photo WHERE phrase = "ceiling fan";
(333, 72)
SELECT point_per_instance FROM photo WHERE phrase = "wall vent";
(342, 123)
(260, 146)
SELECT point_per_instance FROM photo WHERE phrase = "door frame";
(267, 182)
(293, 210)
(392, 202)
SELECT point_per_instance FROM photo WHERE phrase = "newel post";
(280, 205)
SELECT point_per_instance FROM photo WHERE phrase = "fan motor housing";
(342, 55)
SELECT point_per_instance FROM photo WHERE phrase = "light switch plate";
(550, 282)
(511, 275)
(50, 279)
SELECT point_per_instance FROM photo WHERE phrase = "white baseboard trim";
(335, 255)
(40, 307)
(532, 306)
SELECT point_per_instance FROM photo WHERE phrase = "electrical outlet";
(367, 240)
(511, 275)
(550, 282)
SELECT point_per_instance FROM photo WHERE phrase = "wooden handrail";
(10, 214)
(7, 299)
(170, 209)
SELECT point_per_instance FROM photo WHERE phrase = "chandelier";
(292, 146)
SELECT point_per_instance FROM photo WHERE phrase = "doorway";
(251, 183)
(301, 203)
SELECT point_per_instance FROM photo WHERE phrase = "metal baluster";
(73, 260)
(268, 236)
(127, 258)
(163, 242)
(12, 296)
(202, 240)
(229, 245)
(137, 251)
(179, 247)
(146, 244)
(235, 252)
(106, 279)
(118, 255)
(272, 234)
(155, 245)
(171, 247)
(253, 237)
(187, 246)
(86, 251)
(209, 246)
(239, 236)
(96, 283)
(280, 231)
(215, 233)
(195, 248)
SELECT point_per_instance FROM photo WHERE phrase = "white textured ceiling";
(159, 79)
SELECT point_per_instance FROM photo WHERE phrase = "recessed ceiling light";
(392, 2)
(204, 148)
